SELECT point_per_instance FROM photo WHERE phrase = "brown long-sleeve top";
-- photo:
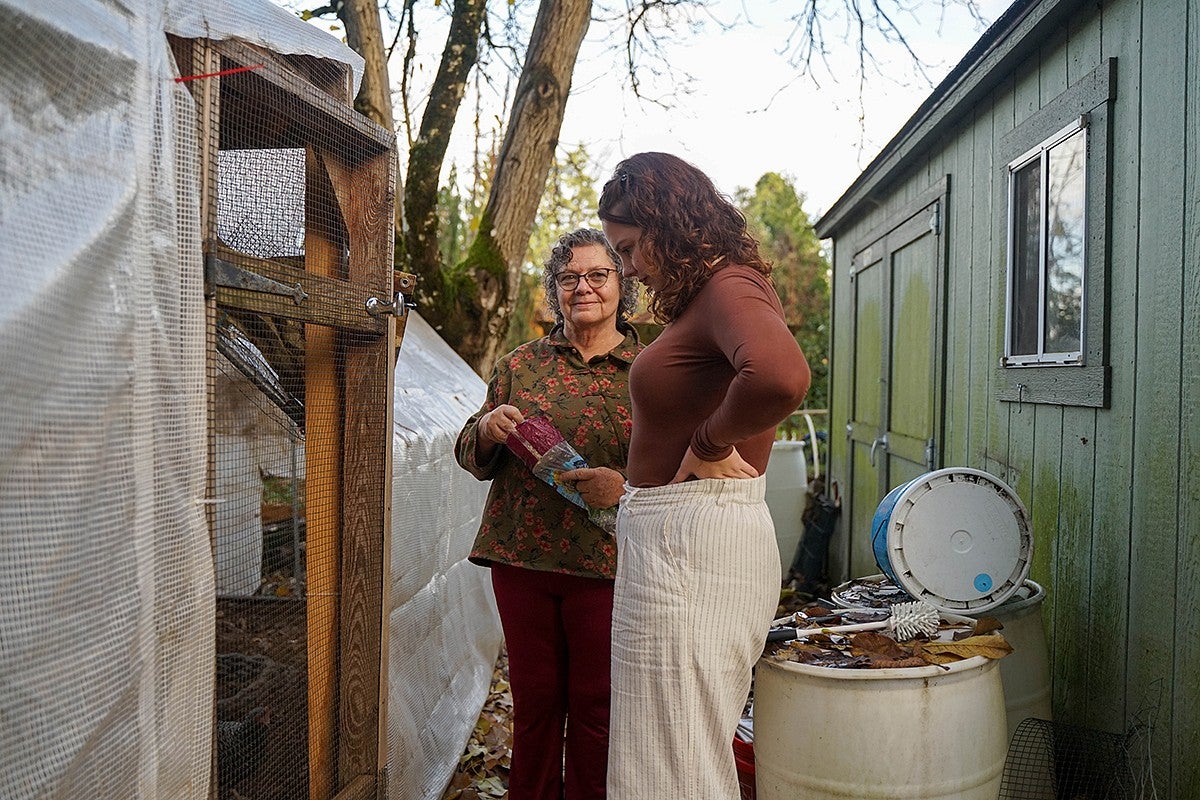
(723, 374)
(526, 522)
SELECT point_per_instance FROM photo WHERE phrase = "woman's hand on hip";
(732, 466)
(600, 487)
(497, 424)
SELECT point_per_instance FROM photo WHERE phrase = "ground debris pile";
(955, 640)
(482, 772)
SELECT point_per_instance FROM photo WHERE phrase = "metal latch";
(220, 272)
(400, 303)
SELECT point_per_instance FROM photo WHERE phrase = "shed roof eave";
(975, 74)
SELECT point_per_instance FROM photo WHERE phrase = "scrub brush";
(906, 621)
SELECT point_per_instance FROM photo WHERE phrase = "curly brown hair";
(689, 229)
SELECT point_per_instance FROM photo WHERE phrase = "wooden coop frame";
(347, 294)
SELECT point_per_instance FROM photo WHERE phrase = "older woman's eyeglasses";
(570, 280)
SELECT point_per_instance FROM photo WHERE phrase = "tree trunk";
(474, 319)
(429, 151)
(364, 35)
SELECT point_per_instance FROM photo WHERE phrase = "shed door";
(896, 381)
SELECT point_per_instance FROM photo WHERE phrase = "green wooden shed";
(1017, 289)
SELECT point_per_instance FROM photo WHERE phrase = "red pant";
(558, 631)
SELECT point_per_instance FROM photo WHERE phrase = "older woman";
(552, 569)
(698, 580)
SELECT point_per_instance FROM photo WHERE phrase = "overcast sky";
(749, 111)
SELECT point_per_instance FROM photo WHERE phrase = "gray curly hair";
(561, 255)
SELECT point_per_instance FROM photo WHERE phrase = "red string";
(218, 74)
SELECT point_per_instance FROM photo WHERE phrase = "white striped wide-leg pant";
(697, 586)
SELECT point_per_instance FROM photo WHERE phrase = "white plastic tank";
(786, 494)
(1026, 672)
(921, 733)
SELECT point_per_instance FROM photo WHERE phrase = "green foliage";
(776, 217)
(280, 491)
(458, 216)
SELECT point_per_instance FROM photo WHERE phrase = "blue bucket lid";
(957, 538)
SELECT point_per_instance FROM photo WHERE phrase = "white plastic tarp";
(106, 624)
(443, 629)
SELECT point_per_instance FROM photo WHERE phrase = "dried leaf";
(986, 625)
(492, 786)
(938, 659)
(876, 644)
(992, 645)
(883, 662)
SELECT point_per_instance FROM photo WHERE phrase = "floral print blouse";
(526, 523)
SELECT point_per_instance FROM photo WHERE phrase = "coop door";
(296, 229)
(896, 381)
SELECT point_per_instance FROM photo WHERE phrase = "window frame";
(1083, 380)
(1040, 154)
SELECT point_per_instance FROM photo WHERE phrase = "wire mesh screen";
(1056, 761)
(297, 186)
(105, 566)
(258, 528)
(259, 468)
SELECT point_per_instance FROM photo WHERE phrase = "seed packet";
(542, 448)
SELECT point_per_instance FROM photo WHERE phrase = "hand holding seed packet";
(540, 445)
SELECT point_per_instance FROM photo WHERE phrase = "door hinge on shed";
(935, 220)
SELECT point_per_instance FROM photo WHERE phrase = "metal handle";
(879, 440)
(378, 308)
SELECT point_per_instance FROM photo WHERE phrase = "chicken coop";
(235, 539)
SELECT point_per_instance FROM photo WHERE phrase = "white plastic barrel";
(921, 733)
(786, 493)
(1025, 673)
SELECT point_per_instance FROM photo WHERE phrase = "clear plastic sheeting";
(443, 629)
(106, 634)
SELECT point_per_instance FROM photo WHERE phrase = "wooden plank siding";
(1071, 569)
(1113, 487)
(1153, 573)
(1186, 712)
(959, 219)
(1108, 590)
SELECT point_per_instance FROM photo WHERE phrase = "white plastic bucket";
(786, 493)
(918, 733)
(957, 538)
(1025, 674)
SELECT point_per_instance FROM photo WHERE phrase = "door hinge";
(219, 272)
(935, 220)
(930, 453)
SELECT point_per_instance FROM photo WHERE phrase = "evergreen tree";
(775, 215)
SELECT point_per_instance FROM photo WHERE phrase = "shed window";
(1053, 178)
(1047, 236)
